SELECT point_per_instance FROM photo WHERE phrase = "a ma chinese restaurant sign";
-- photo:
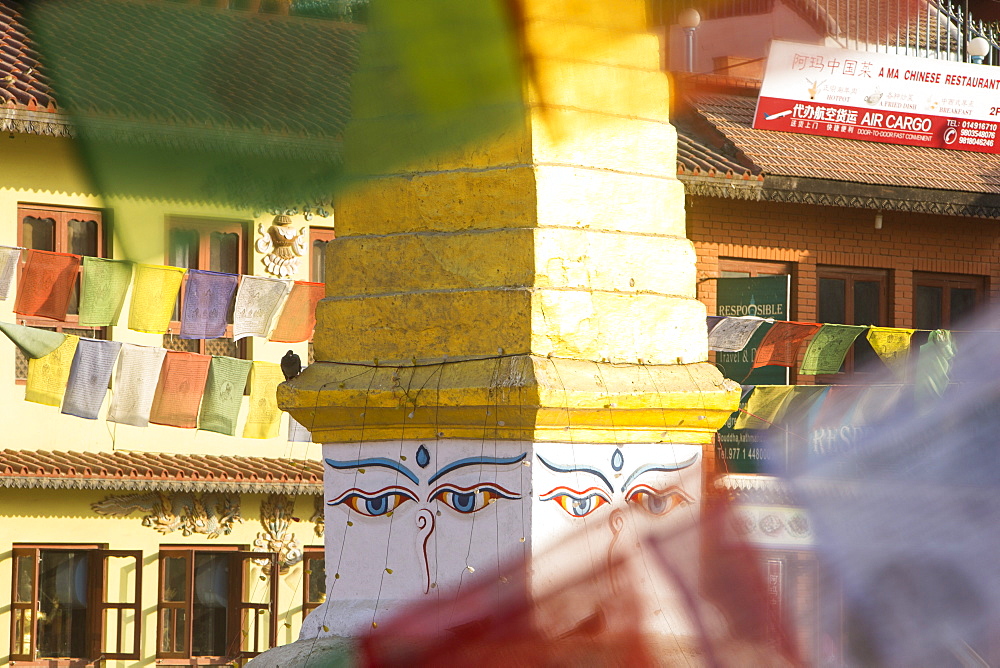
(880, 97)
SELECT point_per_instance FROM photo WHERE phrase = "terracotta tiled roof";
(22, 79)
(157, 471)
(715, 117)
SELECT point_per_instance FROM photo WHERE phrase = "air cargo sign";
(880, 97)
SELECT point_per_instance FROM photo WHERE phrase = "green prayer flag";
(827, 349)
(32, 341)
(220, 406)
(934, 365)
(102, 290)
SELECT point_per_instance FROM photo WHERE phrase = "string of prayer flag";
(298, 318)
(153, 297)
(265, 416)
(828, 348)
(893, 345)
(102, 290)
(178, 394)
(48, 375)
(89, 376)
(258, 301)
(207, 298)
(732, 334)
(9, 257)
(135, 384)
(220, 406)
(33, 341)
(46, 284)
(780, 346)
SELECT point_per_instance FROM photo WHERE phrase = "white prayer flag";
(9, 257)
(258, 302)
(135, 384)
(732, 334)
(88, 377)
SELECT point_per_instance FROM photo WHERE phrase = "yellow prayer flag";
(893, 345)
(48, 375)
(153, 297)
(764, 407)
(265, 416)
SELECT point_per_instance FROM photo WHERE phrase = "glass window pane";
(963, 302)
(225, 252)
(833, 300)
(62, 604)
(867, 303)
(928, 308)
(317, 269)
(317, 579)
(25, 573)
(82, 237)
(210, 605)
(175, 579)
(38, 233)
(173, 630)
(183, 249)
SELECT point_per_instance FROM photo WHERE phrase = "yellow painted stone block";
(603, 88)
(605, 200)
(523, 397)
(500, 197)
(593, 43)
(590, 259)
(618, 327)
(620, 14)
(365, 265)
(604, 141)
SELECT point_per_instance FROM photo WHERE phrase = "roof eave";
(17, 120)
(146, 484)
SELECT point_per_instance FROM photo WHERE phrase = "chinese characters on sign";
(879, 97)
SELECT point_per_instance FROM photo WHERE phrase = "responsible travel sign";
(880, 97)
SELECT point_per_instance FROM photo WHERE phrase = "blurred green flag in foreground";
(247, 104)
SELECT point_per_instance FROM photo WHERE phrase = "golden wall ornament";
(276, 514)
(282, 246)
(211, 513)
(319, 516)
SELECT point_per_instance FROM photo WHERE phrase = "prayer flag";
(178, 394)
(220, 407)
(265, 416)
(712, 320)
(9, 257)
(135, 384)
(153, 297)
(207, 297)
(89, 377)
(781, 345)
(297, 433)
(893, 345)
(102, 290)
(732, 334)
(46, 284)
(764, 407)
(298, 318)
(828, 348)
(33, 341)
(47, 376)
(258, 300)
(934, 365)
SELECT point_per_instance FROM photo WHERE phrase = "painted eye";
(373, 504)
(470, 499)
(577, 504)
(658, 502)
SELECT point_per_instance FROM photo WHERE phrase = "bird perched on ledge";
(291, 365)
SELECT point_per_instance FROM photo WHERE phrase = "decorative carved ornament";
(276, 513)
(282, 245)
(319, 516)
(211, 514)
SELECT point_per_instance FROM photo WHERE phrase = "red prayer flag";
(46, 284)
(781, 344)
(178, 393)
(298, 319)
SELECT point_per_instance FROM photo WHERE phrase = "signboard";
(764, 297)
(880, 97)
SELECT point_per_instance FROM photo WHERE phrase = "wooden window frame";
(236, 605)
(97, 606)
(946, 281)
(309, 553)
(324, 234)
(850, 275)
(204, 227)
(61, 215)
